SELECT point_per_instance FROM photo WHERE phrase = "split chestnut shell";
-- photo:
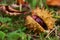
(40, 20)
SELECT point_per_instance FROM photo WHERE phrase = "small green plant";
(2, 35)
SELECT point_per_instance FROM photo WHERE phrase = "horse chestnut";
(40, 20)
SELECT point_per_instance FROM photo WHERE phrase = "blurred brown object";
(53, 2)
(0, 0)
(20, 2)
(9, 10)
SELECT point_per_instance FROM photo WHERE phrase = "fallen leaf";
(53, 2)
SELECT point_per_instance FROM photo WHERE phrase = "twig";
(20, 7)
(56, 32)
(52, 31)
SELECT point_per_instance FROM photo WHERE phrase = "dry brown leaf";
(53, 2)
